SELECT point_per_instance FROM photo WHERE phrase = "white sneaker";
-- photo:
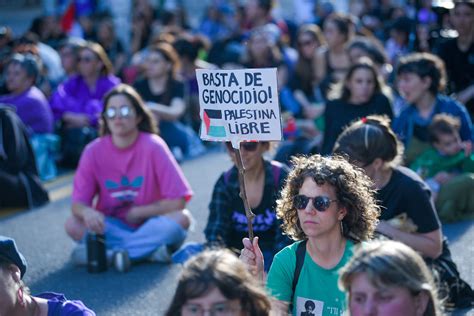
(79, 255)
(121, 261)
(162, 254)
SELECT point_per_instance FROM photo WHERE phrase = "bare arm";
(252, 257)
(428, 244)
(465, 95)
(168, 113)
(311, 111)
(319, 66)
(301, 98)
(92, 219)
(72, 119)
(282, 77)
(141, 213)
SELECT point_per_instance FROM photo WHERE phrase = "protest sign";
(239, 105)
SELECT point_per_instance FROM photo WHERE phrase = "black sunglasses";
(320, 203)
(124, 111)
(248, 146)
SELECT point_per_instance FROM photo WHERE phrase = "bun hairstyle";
(369, 138)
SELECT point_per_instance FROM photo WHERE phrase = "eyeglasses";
(123, 112)
(219, 309)
(248, 146)
(305, 43)
(86, 59)
(152, 60)
(320, 203)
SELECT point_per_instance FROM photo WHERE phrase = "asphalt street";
(147, 289)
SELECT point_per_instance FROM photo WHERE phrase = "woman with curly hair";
(327, 206)
(217, 282)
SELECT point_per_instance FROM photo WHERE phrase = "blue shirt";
(410, 123)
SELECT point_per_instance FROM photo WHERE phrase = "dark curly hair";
(353, 190)
(219, 269)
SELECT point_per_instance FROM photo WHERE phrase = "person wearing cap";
(15, 297)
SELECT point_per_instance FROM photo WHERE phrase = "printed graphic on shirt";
(125, 190)
(261, 222)
(309, 307)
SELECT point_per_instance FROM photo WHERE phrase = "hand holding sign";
(239, 105)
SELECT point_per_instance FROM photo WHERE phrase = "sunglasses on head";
(250, 146)
(320, 203)
(123, 112)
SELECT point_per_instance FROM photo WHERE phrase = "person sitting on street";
(141, 191)
(33, 109)
(408, 211)
(328, 207)
(447, 169)
(421, 78)
(227, 223)
(77, 102)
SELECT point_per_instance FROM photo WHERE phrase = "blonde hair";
(390, 263)
(99, 51)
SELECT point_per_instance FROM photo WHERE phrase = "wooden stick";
(243, 193)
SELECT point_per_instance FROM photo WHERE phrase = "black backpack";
(455, 292)
(17, 159)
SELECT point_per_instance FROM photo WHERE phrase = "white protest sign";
(239, 105)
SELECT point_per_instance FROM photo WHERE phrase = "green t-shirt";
(316, 286)
(430, 162)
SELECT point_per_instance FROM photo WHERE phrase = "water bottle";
(96, 253)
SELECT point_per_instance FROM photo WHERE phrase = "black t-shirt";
(407, 193)
(460, 68)
(340, 113)
(174, 89)
(459, 64)
(227, 221)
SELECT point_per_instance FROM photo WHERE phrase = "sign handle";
(243, 193)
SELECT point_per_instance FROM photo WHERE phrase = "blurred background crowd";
(56, 71)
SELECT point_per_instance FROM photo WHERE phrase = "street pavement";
(148, 288)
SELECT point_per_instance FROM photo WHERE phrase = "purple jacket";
(58, 305)
(74, 96)
(33, 109)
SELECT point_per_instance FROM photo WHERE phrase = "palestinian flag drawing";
(212, 119)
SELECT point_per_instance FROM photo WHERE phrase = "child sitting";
(448, 168)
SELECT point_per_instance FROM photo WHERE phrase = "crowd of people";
(377, 106)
